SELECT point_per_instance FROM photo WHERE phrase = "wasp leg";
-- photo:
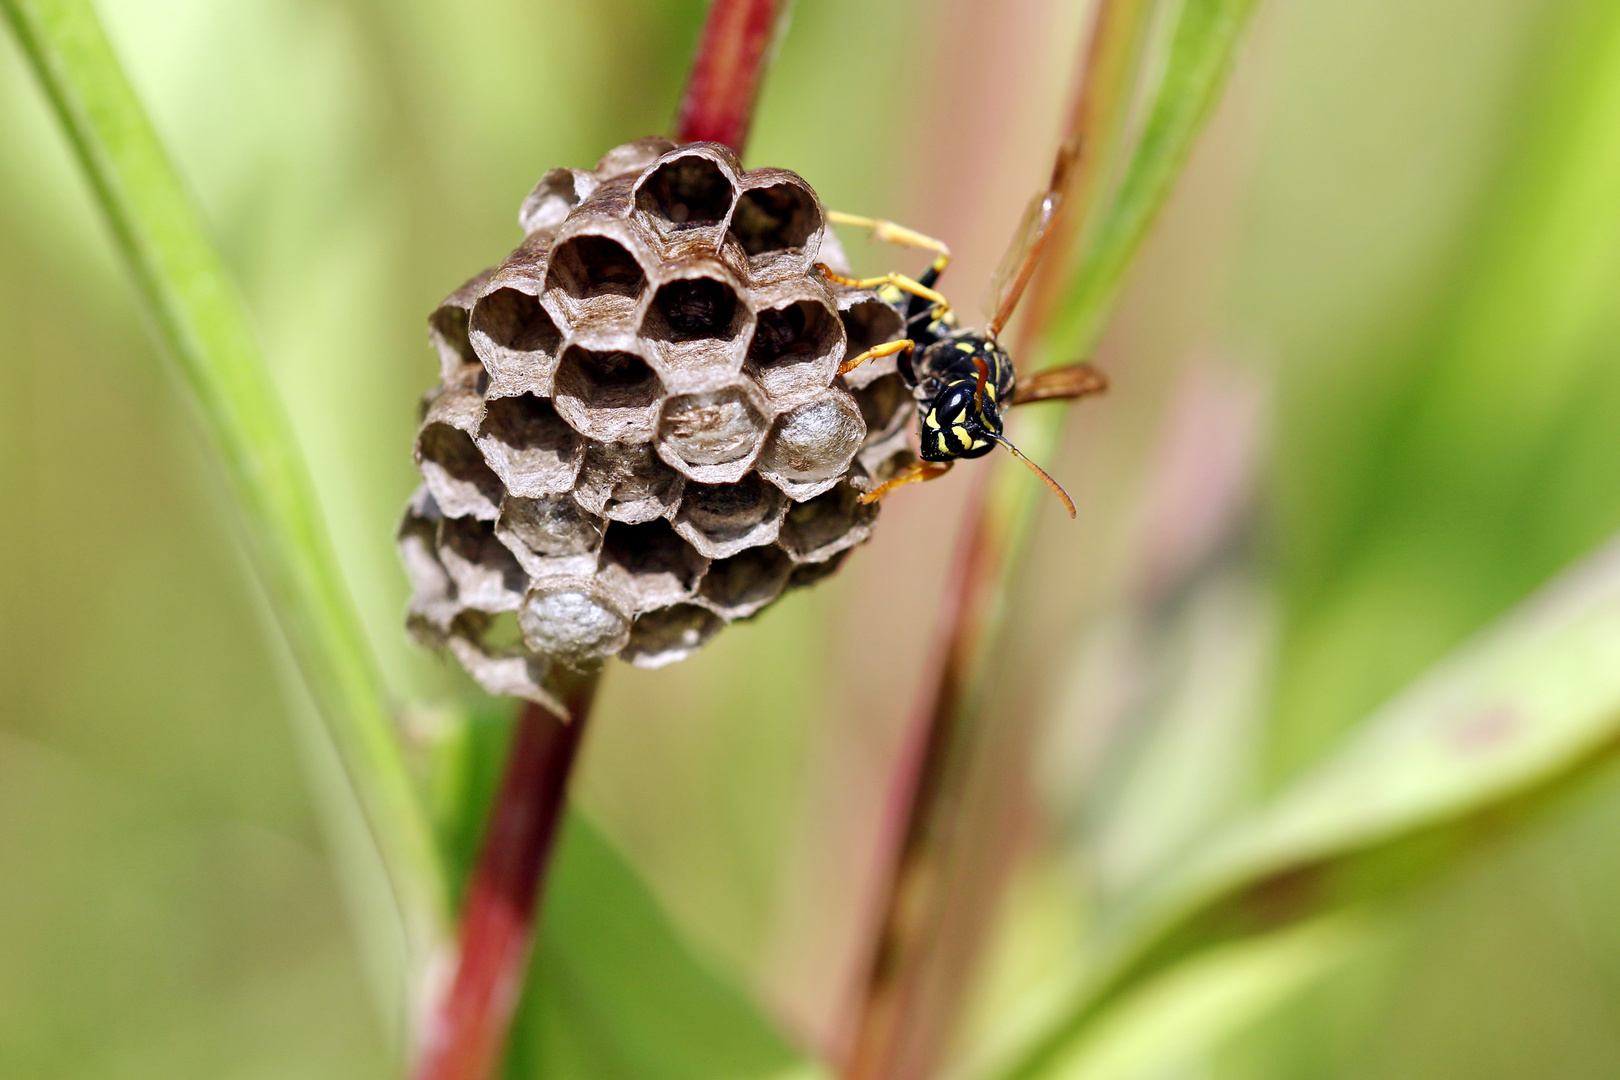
(888, 348)
(891, 233)
(916, 472)
(942, 306)
(1056, 384)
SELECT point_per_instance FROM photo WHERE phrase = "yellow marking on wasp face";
(990, 388)
(961, 434)
(944, 447)
(977, 443)
(964, 346)
(932, 420)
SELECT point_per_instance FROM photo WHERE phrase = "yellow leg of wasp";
(891, 233)
(916, 472)
(888, 348)
(942, 306)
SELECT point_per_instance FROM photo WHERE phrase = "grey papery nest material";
(639, 434)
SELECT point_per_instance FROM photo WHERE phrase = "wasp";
(962, 378)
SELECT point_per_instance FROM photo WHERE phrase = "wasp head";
(963, 418)
(960, 422)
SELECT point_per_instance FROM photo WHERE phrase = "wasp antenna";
(1057, 489)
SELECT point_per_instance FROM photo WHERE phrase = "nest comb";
(639, 434)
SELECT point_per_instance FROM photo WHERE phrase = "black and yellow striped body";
(961, 379)
(954, 419)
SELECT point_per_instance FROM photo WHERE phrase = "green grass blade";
(1506, 724)
(1202, 46)
(1208, 999)
(200, 320)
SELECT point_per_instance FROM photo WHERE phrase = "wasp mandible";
(962, 378)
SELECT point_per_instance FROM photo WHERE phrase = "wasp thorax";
(639, 433)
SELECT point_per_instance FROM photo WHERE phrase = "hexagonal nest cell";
(723, 519)
(596, 277)
(691, 325)
(778, 217)
(627, 482)
(550, 536)
(572, 621)
(827, 524)
(607, 396)
(554, 198)
(448, 331)
(713, 436)
(512, 330)
(529, 447)
(687, 190)
(639, 435)
(663, 637)
(649, 565)
(694, 309)
(486, 575)
(811, 447)
(743, 584)
(868, 321)
(794, 348)
(461, 480)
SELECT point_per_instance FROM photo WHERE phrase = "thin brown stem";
(468, 1031)
(905, 1014)
(931, 773)
(727, 71)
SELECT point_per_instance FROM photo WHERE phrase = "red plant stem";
(910, 913)
(467, 1034)
(468, 1030)
(718, 105)
(900, 1030)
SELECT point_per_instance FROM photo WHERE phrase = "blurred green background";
(1366, 390)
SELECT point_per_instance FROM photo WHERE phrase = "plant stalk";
(467, 1034)
(932, 773)
(905, 1016)
(728, 69)
(199, 321)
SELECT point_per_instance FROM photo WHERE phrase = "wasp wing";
(1073, 381)
(1018, 264)
(1024, 254)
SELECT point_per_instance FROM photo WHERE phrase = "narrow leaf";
(614, 993)
(1205, 39)
(1207, 1000)
(199, 320)
(1508, 722)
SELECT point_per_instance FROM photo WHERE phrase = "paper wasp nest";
(639, 435)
